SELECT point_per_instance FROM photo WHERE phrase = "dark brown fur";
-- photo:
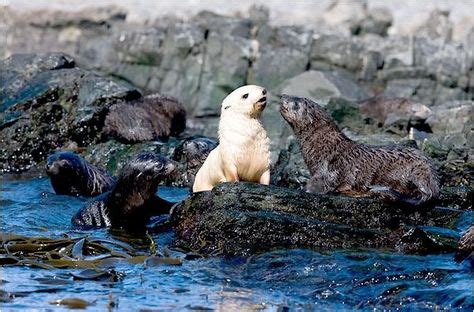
(132, 200)
(149, 118)
(338, 164)
(193, 151)
(70, 174)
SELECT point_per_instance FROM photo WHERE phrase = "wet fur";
(70, 174)
(338, 164)
(132, 201)
(193, 152)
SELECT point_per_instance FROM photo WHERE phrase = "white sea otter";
(243, 153)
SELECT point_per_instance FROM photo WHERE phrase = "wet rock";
(322, 86)
(290, 170)
(419, 241)
(459, 196)
(47, 102)
(149, 118)
(244, 218)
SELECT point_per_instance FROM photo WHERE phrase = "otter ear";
(226, 107)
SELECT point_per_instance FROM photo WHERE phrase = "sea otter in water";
(132, 200)
(71, 174)
(338, 164)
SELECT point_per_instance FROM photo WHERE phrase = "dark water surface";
(299, 279)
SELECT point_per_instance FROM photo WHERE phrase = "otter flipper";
(94, 215)
(388, 194)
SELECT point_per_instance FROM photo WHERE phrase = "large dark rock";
(246, 218)
(46, 103)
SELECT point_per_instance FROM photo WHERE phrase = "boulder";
(376, 21)
(245, 218)
(437, 26)
(46, 103)
(451, 117)
(322, 86)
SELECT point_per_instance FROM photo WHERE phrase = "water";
(299, 279)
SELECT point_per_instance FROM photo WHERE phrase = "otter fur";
(338, 164)
(243, 153)
(193, 151)
(132, 200)
(70, 174)
(148, 118)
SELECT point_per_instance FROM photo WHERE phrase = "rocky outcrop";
(246, 218)
(199, 60)
(47, 103)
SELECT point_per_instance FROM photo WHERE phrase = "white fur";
(243, 153)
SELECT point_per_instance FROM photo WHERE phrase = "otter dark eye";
(246, 95)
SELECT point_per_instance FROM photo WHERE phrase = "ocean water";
(273, 281)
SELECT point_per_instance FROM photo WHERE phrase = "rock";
(343, 12)
(289, 45)
(46, 102)
(396, 115)
(343, 52)
(322, 86)
(245, 218)
(290, 170)
(458, 197)
(451, 117)
(376, 21)
(437, 26)
(149, 118)
(225, 61)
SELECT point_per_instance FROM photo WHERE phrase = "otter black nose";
(264, 99)
(264, 91)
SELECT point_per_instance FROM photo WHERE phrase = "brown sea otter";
(132, 200)
(338, 164)
(71, 174)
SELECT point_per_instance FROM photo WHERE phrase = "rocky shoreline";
(117, 89)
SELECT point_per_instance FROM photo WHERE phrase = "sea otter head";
(63, 163)
(303, 114)
(247, 100)
(66, 171)
(141, 176)
(197, 150)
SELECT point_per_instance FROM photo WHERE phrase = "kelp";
(95, 255)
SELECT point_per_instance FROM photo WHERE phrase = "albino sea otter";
(243, 153)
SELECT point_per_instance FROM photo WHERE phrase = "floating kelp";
(93, 254)
(72, 303)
